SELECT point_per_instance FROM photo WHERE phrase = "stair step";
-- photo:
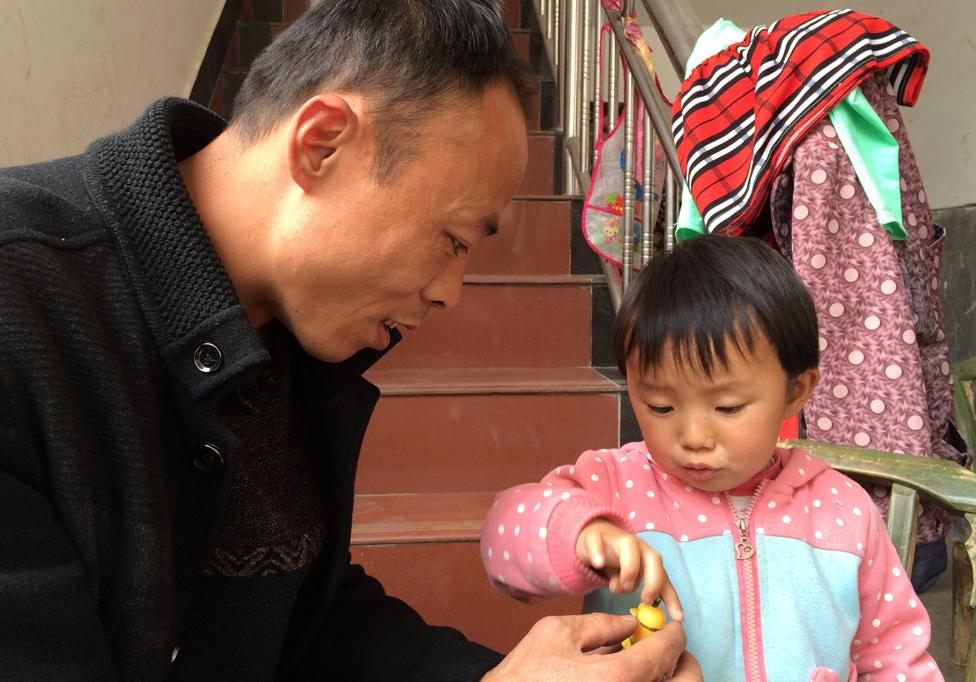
(535, 280)
(399, 538)
(540, 172)
(457, 430)
(292, 9)
(512, 13)
(496, 380)
(409, 517)
(522, 38)
(534, 237)
(522, 321)
(446, 583)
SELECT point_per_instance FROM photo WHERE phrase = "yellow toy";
(650, 618)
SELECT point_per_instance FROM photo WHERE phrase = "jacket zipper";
(745, 552)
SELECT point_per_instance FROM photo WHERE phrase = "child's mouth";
(701, 473)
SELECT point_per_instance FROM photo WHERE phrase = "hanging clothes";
(740, 113)
(803, 117)
(870, 146)
(884, 359)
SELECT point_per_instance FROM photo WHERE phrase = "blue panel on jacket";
(808, 604)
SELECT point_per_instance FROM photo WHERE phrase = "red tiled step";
(522, 37)
(505, 321)
(497, 380)
(533, 238)
(292, 9)
(443, 581)
(482, 429)
(411, 517)
(512, 12)
(539, 172)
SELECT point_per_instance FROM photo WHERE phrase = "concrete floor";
(938, 602)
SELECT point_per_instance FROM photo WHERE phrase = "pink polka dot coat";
(884, 360)
(824, 597)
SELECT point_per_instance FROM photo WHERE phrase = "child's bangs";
(699, 340)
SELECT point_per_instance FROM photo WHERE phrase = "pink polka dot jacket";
(823, 597)
(884, 358)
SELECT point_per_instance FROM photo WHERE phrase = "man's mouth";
(392, 324)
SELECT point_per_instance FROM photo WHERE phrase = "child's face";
(716, 433)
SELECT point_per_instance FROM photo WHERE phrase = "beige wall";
(942, 125)
(73, 71)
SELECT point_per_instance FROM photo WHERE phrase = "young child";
(784, 567)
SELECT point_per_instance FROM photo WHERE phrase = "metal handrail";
(678, 26)
(571, 29)
(653, 102)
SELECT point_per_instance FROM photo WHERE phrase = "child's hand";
(625, 559)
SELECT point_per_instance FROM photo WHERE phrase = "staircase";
(495, 392)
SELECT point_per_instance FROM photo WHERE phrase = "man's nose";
(444, 291)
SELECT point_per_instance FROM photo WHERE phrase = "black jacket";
(111, 474)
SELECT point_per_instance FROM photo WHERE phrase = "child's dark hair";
(711, 291)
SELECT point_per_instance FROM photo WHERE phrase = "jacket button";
(208, 459)
(208, 358)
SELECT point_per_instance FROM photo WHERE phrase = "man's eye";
(729, 409)
(659, 409)
(459, 246)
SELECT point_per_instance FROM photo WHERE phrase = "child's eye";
(459, 246)
(659, 409)
(729, 409)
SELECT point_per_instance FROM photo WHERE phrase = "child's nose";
(695, 435)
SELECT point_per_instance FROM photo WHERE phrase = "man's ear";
(320, 128)
(800, 391)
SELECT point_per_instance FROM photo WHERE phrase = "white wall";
(942, 125)
(71, 71)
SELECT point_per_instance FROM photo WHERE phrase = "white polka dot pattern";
(826, 510)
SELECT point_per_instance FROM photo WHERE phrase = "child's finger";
(653, 574)
(670, 598)
(595, 553)
(630, 562)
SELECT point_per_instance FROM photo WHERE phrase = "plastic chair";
(945, 482)
(963, 376)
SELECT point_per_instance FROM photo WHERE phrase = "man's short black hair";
(403, 54)
(712, 291)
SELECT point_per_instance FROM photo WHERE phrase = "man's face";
(357, 257)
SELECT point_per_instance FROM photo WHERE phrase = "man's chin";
(329, 352)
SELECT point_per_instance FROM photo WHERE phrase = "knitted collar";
(179, 278)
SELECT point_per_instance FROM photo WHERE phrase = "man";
(186, 312)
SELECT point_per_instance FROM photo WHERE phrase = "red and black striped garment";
(740, 112)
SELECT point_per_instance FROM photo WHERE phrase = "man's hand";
(556, 649)
(625, 559)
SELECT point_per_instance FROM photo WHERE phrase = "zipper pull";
(743, 550)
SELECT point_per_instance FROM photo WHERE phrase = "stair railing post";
(669, 210)
(549, 23)
(647, 201)
(584, 110)
(627, 228)
(571, 90)
(612, 113)
(598, 88)
(559, 31)
(678, 26)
